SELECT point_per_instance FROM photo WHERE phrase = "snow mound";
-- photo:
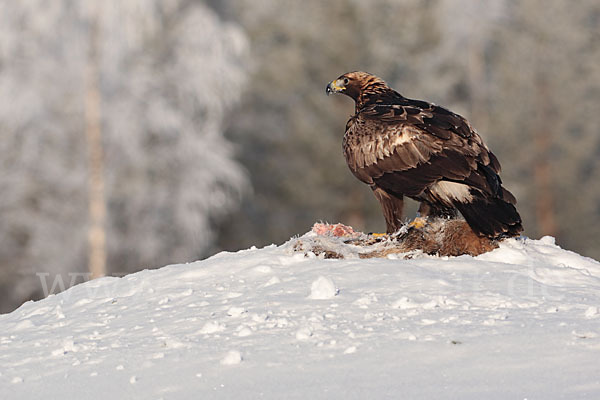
(520, 321)
(323, 288)
(233, 357)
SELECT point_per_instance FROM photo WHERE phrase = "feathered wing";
(426, 152)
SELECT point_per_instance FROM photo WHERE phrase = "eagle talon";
(378, 235)
(418, 223)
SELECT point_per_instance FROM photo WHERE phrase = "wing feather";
(407, 147)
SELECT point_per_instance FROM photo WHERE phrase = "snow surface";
(519, 322)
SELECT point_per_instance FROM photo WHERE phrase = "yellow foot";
(418, 223)
(378, 235)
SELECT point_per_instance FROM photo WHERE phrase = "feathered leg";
(392, 209)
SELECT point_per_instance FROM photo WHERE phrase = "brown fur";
(440, 237)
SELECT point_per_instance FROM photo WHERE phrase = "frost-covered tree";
(169, 72)
(169, 85)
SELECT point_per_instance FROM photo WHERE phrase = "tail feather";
(491, 217)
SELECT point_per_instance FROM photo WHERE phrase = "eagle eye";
(346, 81)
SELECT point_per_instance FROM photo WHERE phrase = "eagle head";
(354, 84)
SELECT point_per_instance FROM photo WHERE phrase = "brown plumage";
(403, 147)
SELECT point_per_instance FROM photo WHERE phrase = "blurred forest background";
(139, 133)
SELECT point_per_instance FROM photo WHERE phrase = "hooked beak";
(335, 86)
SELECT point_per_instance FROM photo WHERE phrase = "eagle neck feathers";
(377, 93)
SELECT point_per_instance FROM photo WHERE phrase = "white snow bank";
(519, 322)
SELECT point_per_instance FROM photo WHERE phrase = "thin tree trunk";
(542, 171)
(477, 85)
(93, 132)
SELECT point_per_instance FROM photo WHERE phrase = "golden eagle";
(403, 147)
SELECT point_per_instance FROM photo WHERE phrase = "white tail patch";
(449, 191)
